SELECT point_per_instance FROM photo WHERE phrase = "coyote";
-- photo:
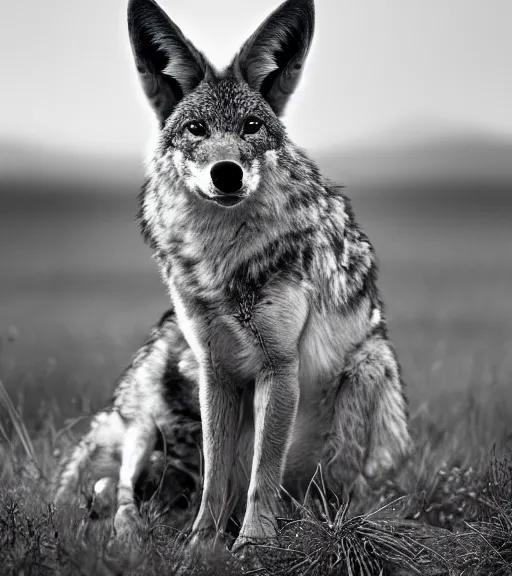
(275, 352)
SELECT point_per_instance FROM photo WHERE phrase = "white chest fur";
(189, 327)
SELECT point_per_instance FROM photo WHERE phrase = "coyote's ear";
(271, 60)
(169, 66)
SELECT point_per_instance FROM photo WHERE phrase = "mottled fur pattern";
(278, 328)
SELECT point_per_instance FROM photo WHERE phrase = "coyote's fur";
(276, 337)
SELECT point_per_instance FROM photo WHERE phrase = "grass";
(449, 511)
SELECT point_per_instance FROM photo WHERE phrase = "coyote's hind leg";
(138, 444)
(150, 394)
(369, 435)
(97, 454)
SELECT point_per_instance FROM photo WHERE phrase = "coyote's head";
(220, 131)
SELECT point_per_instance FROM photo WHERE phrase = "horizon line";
(391, 139)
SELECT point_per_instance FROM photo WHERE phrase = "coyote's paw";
(258, 533)
(126, 547)
(245, 550)
(259, 529)
(204, 543)
(241, 545)
(128, 541)
(127, 523)
(204, 548)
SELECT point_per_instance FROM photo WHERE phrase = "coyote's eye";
(251, 125)
(196, 128)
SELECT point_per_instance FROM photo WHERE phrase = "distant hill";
(22, 163)
(445, 162)
(448, 159)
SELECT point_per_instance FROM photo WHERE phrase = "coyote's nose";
(227, 176)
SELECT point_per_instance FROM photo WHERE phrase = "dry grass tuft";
(448, 512)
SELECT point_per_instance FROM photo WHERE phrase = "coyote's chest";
(237, 329)
(241, 324)
(228, 297)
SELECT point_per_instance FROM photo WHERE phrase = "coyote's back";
(272, 281)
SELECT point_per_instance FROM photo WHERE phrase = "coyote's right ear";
(168, 64)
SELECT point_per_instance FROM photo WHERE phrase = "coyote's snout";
(276, 342)
(218, 170)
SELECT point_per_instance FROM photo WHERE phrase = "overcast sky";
(379, 69)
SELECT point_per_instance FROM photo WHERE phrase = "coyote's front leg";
(276, 398)
(220, 406)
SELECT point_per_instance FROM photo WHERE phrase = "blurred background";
(407, 103)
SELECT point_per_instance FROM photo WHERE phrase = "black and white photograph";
(256, 288)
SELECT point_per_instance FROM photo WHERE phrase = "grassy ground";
(448, 512)
(74, 308)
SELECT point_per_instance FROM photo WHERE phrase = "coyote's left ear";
(271, 61)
